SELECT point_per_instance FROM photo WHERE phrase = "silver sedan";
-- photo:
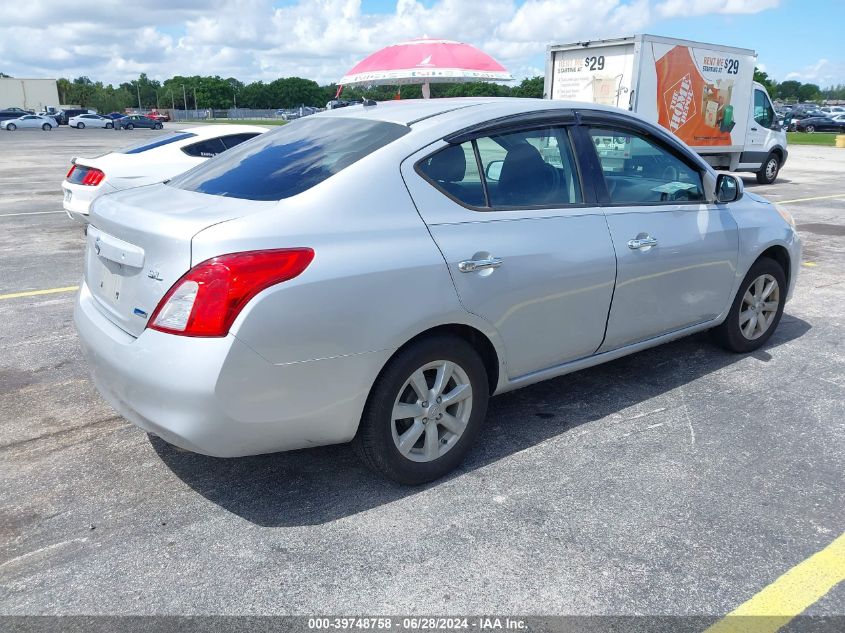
(29, 121)
(376, 273)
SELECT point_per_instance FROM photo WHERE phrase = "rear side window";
(290, 160)
(638, 171)
(205, 149)
(144, 146)
(531, 168)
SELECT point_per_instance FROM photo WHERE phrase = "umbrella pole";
(426, 90)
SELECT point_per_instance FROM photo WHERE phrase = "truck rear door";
(594, 74)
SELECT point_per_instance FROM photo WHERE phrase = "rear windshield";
(290, 160)
(148, 144)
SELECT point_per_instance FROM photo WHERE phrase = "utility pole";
(195, 99)
(185, 99)
(138, 90)
(235, 98)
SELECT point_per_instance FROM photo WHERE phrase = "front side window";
(533, 168)
(291, 159)
(638, 171)
(763, 113)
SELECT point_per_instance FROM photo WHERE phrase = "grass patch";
(827, 139)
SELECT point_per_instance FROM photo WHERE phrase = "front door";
(676, 252)
(526, 248)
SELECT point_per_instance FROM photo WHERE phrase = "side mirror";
(728, 188)
(494, 170)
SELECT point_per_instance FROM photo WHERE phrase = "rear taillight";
(81, 175)
(209, 297)
(93, 178)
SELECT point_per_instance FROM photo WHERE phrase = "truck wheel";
(769, 170)
(810, 129)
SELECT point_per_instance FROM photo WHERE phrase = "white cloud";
(686, 8)
(318, 39)
(824, 73)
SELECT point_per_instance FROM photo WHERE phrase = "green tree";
(809, 92)
(762, 77)
(788, 90)
(531, 87)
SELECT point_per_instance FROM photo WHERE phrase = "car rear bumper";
(82, 196)
(216, 396)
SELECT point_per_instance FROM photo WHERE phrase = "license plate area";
(108, 280)
(68, 195)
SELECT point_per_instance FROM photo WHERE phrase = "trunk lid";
(139, 245)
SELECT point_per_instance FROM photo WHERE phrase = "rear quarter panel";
(377, 279)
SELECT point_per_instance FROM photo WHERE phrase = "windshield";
(290, 160)
(148, 144)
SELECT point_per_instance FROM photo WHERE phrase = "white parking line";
(9, 215)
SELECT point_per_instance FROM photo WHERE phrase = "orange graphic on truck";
(697, 111)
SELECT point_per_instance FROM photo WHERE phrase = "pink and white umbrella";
(425, 61)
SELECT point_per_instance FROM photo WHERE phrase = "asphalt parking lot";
(681, 480)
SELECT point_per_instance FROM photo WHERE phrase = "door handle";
(473, 265)
(754, 129)
(642, 242)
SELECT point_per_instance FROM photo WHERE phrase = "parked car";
(32, 121)
(799, 114)
(81, 121)
(239, 309)
(13, 113)
(819, 124)
(63, 117)
(158, 116)
(831, 110)
(131, 121)
(152, 160)
(115, 115)
(839, 117)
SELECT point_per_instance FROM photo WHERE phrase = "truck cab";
(765, 141)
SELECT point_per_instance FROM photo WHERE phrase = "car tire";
(158, 126)
(438, 438)
(11, 127)
(129, 126)
(741, 331)
(80, 126)
(109, 126)
(769, 170)
(810, 129)
(46, 127)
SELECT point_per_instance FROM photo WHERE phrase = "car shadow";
(318, 485)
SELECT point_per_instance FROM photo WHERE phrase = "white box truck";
(703, 93)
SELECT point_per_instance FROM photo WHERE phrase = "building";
(29, 94)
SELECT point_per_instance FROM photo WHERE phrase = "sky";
(115, 40)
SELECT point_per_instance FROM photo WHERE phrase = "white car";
(150, 161)
(81, 121)
(29, 121)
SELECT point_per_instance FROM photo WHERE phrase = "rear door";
(525, 245)
(676, 253)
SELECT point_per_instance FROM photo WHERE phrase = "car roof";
(208, 131)
(410, 111)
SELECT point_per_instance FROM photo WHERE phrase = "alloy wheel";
(431, 411)
(759, 306)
